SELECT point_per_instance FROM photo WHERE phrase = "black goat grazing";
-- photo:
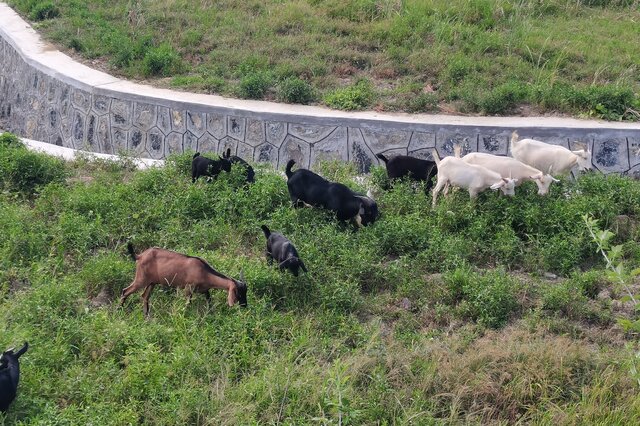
(309, 188)
(283, 251)
(416, 168)
(202, 166)
(234, 159)
(9, 376)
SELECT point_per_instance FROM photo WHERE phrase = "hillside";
(494, 311)
(472, 57)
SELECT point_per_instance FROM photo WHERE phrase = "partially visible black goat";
(312, 189)
(234, 159)
(9, 376)
(202, 166)
(283, 251)
(416, 168)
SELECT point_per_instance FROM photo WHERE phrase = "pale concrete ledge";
(47, 96)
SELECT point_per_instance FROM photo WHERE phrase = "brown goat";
(160, 266)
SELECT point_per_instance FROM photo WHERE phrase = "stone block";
(173, 144)
(64, 102)
(294, 149)
(137, 138)
(244, 151)
(380, 140)
(190, 142)
(103, 134)
(634, 150)
(420, 141)
(496, 143)
(445, 141)
(228, 143)
(55, 139)
(611, 155)
(163, 121)
(121, 114)
(178, 121)
(266, 153)
(359, 152)
(92, 140)
(119, 139)
(155, 143)
(423, 154)
(236, 127)
(208, 143)
(255, 134)
(101, 105)
(333, 147)
(310, 133)
(217, 125)
(196, 123)
(78, 128)
(144, 116)
(276, 131)
(81, 100)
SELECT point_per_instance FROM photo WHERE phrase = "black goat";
(309, 188)
(9, 376)
(416, 168)
(234, 159)
(202, 166)
(283, 251)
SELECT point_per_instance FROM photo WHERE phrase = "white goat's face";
(509, 186)
(584, 159)
(544, 182)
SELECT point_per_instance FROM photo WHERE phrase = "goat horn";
(241, 275)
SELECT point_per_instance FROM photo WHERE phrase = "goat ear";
(536, 177)
(497, 185)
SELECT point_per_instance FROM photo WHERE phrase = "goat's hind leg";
(145, 299)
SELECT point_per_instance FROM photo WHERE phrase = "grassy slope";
(489, 56)
(434, 316)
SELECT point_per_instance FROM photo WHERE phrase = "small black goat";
(9, 376)
(283, 251)
(309, 188)
(416, 168)
(202, 166)
(234, 159)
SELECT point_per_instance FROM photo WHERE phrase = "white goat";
(454, 171)
(547, 157)
(509, 167)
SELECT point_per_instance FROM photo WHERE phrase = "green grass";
(436, 316)
(490, 57)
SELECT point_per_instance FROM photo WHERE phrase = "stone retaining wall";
(45, 104)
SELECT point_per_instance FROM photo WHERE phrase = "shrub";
(565, 298)
(254, 86)
(357, 96)
(9, 139)
(44, 10)
(296, 91)
(488, 298)
(504, 98)
(24, 171)
(160, 61)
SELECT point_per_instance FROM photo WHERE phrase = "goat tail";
(197, 154)
(514, 137)
(289, 166)
(132, 253)
(383, 158)
(266, 230)
(435, 156)
(457, 150)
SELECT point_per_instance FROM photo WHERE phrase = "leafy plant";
(358, 96)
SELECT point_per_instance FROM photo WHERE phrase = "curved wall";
(45, 95)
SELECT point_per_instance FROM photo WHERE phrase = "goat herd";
(532, 161)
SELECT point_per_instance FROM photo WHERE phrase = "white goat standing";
(547, 157)
(509, 167)
(454, 171)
